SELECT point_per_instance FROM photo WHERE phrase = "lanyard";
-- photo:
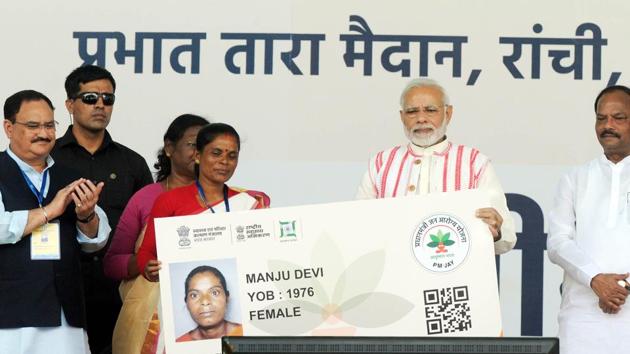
(39, 194)
(202, 195)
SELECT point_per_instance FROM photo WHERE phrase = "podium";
(387, 345)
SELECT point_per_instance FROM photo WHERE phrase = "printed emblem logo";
(441, 243)
(287, 229)
(183, 232)
(240, 233)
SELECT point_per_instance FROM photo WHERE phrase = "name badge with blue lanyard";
(45, 243)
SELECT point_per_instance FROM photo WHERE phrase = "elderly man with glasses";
(430, 163)
(47, 216)
(89, 148)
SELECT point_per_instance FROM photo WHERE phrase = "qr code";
(447, 310)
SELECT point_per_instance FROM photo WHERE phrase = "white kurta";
(443, 167)
(589, 233)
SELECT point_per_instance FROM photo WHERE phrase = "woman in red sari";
(218, 147)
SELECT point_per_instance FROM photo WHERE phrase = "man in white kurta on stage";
(430, 163)
(589, 237)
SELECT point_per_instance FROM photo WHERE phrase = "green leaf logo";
(440, 241)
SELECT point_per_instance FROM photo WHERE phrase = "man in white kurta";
(430, 163)
(589, 237)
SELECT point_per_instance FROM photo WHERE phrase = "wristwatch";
(88, 218)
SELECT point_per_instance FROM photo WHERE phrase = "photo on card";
(205, 299)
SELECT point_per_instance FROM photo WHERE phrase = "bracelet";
(88, 218)
(45, 213)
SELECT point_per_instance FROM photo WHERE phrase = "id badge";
(45, 242)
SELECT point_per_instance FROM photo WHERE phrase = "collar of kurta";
(440, 148)
(604, 160)
(69, 139)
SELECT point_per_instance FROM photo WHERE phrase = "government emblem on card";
(183, 232)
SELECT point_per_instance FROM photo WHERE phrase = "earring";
(168, 155)
(197, 161)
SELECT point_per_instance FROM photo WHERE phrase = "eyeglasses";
(92, 97)
(429, 111)
(33, 126)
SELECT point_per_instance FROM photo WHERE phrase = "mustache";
(609, 132)
(38, 139)
(423, 126)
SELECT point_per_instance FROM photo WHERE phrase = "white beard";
(424, 139)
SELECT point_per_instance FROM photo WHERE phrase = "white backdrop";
(307, 138)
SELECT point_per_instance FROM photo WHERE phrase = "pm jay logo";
(440, 243)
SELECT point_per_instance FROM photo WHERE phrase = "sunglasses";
(92, 97)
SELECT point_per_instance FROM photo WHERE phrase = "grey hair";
(423, 82)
